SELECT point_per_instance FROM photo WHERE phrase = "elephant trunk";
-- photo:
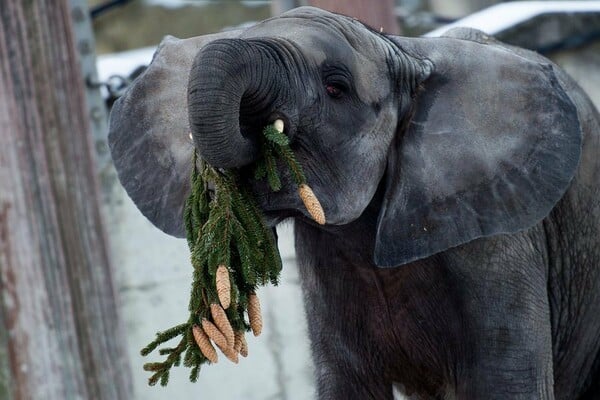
(232, 89)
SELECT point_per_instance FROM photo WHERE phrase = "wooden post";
(60, 334)
(376, 14)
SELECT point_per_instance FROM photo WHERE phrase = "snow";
(200, 3)
(490, 20)
(123, 63)
(502, 16)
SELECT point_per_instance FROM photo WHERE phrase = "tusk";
(278, 125)
(191, 137)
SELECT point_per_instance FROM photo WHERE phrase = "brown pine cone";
(254, 314)
(231, 354)
(237, 345)
(312, 204)
(222, 322)
(223, 286)
(204, 344)
(214, 334)
(244, 346)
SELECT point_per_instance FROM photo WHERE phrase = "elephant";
(459, 176)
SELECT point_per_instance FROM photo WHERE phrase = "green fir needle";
(224, 226)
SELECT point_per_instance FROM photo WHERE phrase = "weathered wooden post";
(60, 335)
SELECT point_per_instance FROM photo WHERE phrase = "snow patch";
(502, 16)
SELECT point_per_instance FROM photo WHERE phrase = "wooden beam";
(61, 334)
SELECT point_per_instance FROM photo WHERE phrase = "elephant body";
(514, 331)
(527, 327)
(460, 178)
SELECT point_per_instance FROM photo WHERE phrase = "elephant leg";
(347, 364)
(336, 380)
(348, 361)
(593, 392)
(507, 336)
(506, 377)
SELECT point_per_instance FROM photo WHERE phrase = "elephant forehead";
(323, 37)
(316, 41)
(367, 69)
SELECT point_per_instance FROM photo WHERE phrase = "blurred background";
(128, 280)
(137, 23)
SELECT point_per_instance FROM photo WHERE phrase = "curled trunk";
(233, 85)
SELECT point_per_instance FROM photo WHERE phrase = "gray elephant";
(461, 182)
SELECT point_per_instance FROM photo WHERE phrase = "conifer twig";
(232, 252)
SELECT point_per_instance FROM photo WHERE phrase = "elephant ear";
(492, 145)
(149, 134)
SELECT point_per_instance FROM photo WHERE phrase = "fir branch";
(224, 226)
(274, 136)
(260, 171)
(270, 165)
(164, 378)
(277, 143)
(161, 370)
(290, 159)
(194, 373)
(162, 337)
(166, 351)
(152, 367)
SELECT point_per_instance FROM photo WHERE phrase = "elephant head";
(462, 140)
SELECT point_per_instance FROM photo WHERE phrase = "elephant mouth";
(275, 207)
(252, 125)
(273, 218)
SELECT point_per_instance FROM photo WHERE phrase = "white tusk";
(278, 125)
(191, 137)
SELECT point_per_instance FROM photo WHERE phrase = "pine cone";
(312, 204)
(222, 322)
(204, 344)
(231, 354)
(254, 314)
(244, 346)
(214, 334)
(223, 286)
(237, 345)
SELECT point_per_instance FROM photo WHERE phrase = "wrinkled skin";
(460, 180)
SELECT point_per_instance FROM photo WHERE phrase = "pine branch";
(288, 157)
(162, 337)
(161, 370)
(224, 227)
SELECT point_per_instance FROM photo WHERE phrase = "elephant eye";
(333, 91)
(336, 80)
